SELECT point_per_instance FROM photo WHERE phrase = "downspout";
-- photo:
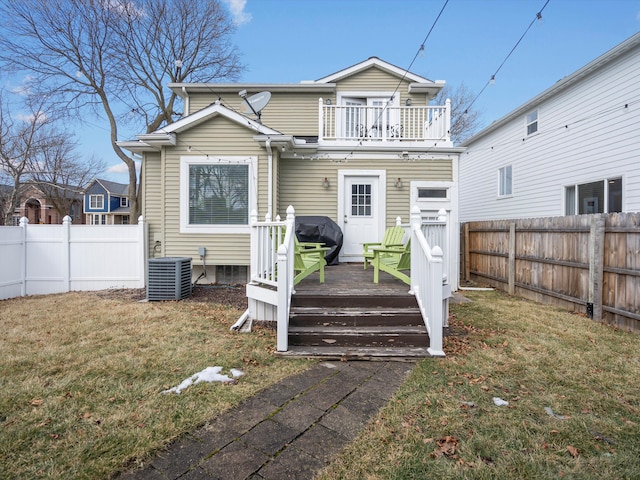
(186, 101)
(269, 178)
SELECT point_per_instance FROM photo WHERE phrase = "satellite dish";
(255, 103)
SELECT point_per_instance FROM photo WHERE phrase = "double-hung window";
(532, 122)
(216, 194)
(96, 202)
(505, 181)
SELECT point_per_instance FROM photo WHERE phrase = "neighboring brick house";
(49, 204)
(106, 203)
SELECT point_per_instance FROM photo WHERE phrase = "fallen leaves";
(446, 446)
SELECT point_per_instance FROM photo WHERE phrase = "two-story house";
(360, 146)
(571, 150)
(106, 203)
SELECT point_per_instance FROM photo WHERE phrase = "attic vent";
(169, 278)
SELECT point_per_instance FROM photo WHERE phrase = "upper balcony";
(341, 124)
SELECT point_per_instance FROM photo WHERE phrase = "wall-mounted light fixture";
(326, 183)
(398, 183)
(408, 102)
(328, 102)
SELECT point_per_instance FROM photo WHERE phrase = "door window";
(361, 200)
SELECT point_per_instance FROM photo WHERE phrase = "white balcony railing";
(384, 124)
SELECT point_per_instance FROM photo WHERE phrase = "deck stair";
(357, 326)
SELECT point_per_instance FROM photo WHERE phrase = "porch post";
(320, 119)
(447, 117)
(435, 303)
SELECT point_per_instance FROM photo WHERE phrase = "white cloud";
(38, 117)
(236, 7)
(121, 168)
(25, 86)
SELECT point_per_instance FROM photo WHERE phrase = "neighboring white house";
(573, 149)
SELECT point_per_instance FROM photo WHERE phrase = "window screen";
(218, 194)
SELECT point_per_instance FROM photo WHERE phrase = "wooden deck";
(350, 317)
(351, 279)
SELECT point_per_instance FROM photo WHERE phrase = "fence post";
(512, 258)
(467, 258)
(253, 268)
(596, 267)
(143, 239)
(24, 222)
(66, 253)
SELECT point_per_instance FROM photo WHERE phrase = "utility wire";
(406, 71)
(493, 77)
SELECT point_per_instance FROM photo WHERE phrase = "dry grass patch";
(81, 378)
(443, 423)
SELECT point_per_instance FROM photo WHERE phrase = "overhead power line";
(492, 79)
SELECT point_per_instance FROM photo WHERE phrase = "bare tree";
(61, 174)
(116, 57)
(21, 141)
(465, 121)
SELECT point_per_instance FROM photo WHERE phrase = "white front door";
(361, 211)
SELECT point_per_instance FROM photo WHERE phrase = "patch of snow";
(500, 402)
(209, 374)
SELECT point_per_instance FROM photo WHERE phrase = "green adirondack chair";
(392, 238)
(394, 261)
(308, 258)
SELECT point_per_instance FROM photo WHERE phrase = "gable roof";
(561, 85)
(110, 187)
(417, 84)
(369, 63)
(326, 84)
(167, 136)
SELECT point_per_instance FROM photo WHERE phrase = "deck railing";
(384, 124)
(272, 250)
(428, 283)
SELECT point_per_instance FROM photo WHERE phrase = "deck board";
(351, 279)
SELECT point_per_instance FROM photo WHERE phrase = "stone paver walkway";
(290, 430)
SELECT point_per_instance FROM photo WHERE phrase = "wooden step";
(369, 301)
(355, 316)
(357, 353)
(371, 336)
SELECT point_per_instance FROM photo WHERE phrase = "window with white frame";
(124, 202)
(97, 219)
(532, 122)
(505, 181)
(216, 194)
(602, 196)
(96, 202)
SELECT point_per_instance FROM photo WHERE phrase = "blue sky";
(287, 41)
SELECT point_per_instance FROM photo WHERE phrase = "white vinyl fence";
(42, 259)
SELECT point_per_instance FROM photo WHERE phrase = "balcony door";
(368, 116)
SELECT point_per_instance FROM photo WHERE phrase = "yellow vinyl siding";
(372, 79)
(151, 197)
(300, 184)
(218, 137)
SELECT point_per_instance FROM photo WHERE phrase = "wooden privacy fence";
(586, 263)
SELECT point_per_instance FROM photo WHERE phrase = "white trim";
(382, 199)
(367, 94)
(373, 61)
(185, 162)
